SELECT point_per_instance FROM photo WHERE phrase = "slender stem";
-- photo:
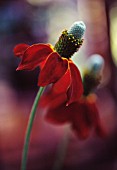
(29, 128)
(62, 149)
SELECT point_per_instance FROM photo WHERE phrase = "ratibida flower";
(82, 115)
(69, 98)
(56, 68)
(55, 62)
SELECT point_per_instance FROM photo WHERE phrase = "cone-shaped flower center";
(70, 41)
(92, 76)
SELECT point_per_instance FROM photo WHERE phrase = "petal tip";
(18, 68)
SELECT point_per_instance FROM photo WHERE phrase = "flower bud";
(93, 73)
(95, 64)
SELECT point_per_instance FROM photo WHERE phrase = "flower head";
(55, 62)
(83, 115)
(92, 73)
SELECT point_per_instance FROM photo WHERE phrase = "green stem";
(29, 128)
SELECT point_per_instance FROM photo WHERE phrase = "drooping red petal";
(100, 130)
(52, 100)
(58, 115)
(54, 68)
(79, 120)
(34, 55)
(95, 119)
(62, 85)
(20, 49)
(93, 113)
(73, 114)
(76, 88)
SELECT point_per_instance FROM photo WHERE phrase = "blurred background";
(42, 21)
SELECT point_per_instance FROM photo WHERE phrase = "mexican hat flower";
(55, 63)
(83, 115)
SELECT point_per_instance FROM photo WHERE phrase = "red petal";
(20, 49)
(62, 85)
(93, 113)
(95, 119)
(34, 55)
(76, 89)
(79, 120)
(58, 115)
(53, 70)
(100, 131)
(51, 100)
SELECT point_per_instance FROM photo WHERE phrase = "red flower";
(82, 115)
(54, 68)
